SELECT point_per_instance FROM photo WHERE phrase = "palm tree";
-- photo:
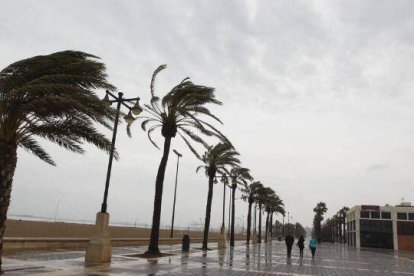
(342, 214)
(176, 113)
(319, 210)
(239, 176)
(49, 97)
(263, 195)
(250, 195)
(273, 205)
(215, 160)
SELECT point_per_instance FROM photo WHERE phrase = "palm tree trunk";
(8, 160)
(259, 238)
(271, 225)
(208, 211)
(249, 222)
(232, 215)
(267, 225)
(156, 216)
(344, 232)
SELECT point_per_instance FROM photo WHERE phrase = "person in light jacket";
(313, 244)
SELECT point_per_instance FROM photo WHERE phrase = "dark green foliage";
(319, 210)
(52, 97)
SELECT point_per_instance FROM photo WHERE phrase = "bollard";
(186, 243)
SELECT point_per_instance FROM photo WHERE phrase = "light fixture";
(128, 118)
(106, 100)
(136, 109)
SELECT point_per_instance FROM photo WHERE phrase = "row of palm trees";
(334, 227)
(53, 97)
(183, 111)
(267, 201)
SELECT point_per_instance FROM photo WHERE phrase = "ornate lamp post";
(175, 191)
(99, 249)
(136, 110)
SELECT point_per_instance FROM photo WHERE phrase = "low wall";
(24, 234)
(80, 243)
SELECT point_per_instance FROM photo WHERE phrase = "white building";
(387, 226)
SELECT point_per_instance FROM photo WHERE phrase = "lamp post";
(136, 110)
(99, 249)
(222, 237)
(225, 182)
(233, 194)
(175, 191)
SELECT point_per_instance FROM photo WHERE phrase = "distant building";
(390, 227)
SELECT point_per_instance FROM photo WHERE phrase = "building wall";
(405, 242)
(401, 217)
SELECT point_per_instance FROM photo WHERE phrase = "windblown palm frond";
(217, 158)
(179, 112)
(240, 176)
(251, 191)
(52, 97)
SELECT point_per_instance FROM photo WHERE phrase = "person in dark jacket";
(301, 244)
(289, 243)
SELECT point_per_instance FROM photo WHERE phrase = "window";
(375, 215)
(364, 214)
(386, 215)
(402, 216)
(411, 216)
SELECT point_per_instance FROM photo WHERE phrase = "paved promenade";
(264, 259)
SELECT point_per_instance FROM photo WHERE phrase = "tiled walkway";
(264, 259)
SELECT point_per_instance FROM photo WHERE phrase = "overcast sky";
(318, 99)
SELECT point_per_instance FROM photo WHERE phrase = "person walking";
(313, 244)
(289, 243)
(301, 244)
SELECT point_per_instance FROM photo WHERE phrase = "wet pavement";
(261, 259)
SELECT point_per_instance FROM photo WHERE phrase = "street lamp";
(136, 110)
(175, 191)
(233, 194)
(99, 247)
(225, 181)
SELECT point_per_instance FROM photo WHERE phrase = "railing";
(191, 227)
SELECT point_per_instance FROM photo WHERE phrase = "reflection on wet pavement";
(268, 259)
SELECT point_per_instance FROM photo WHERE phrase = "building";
(390, 227)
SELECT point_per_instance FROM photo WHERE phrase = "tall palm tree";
(272, 205)
(250, 195)
(239, 176)
(178, 112)
(50, 97)
(342, 214)
(215, 160)
(319, 210)
(263, 196)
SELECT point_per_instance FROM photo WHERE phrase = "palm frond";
(32, 146)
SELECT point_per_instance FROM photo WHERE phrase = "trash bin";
(186, 243)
